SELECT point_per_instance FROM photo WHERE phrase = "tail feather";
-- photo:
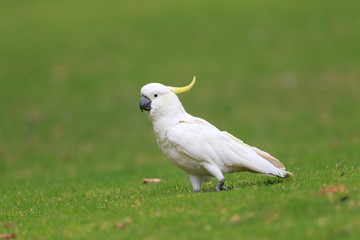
(280, 174)
(279, 168)
(288, 174)
(274, 161)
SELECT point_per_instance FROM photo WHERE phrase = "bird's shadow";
(269, 181)
(246, 184)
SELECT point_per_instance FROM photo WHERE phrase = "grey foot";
(219, 186)
(222, 189)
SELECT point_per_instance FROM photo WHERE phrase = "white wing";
(204, 142)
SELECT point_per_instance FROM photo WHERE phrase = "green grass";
(74, 145)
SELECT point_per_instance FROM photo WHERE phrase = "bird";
(196, 146)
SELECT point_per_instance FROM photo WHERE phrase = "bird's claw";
(219, 186)
(222, 189)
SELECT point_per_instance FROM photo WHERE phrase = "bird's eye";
(155, 95)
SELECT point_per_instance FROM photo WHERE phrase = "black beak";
(145, 103)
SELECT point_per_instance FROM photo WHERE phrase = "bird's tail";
(280, 174)
(288, 174)
(279, 168)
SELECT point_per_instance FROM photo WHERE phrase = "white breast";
(176, 157)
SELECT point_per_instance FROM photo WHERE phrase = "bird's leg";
(219, 186)
(196, 182)
(215, 171)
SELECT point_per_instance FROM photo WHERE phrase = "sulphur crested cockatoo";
(196, 146)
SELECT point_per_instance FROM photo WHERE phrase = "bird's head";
(158, 99)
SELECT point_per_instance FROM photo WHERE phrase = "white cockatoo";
(196, 146)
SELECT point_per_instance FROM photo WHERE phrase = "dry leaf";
(8, 224)
(329, 190)
(151, 180)
(235, 219)
(7, 236)
(120, 226)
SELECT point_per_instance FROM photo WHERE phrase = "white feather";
(198, 147)
(207, 144)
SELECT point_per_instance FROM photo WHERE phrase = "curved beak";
(145, 103)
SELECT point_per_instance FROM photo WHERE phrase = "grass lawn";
(74, 146)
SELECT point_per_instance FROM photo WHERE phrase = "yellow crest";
(183, 89)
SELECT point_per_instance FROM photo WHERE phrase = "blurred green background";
(283, 76)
